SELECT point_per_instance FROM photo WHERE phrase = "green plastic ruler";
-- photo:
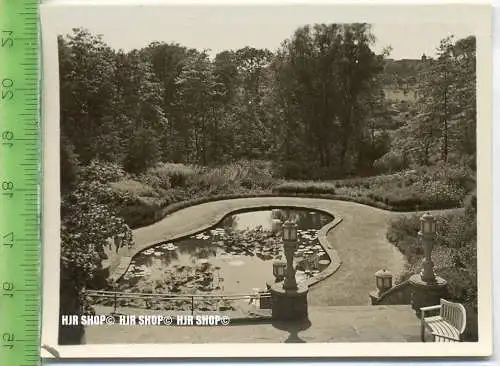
(20, 166)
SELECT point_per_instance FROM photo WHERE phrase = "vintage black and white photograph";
(266, 175)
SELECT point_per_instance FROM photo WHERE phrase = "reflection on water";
(264, 219)
(233, 257)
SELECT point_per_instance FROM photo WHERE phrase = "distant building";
(424, 57)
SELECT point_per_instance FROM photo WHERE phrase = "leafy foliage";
(454, 253)
(327, 96)
(87, 225)
(150, 130)
(306, 187)
(442, 122)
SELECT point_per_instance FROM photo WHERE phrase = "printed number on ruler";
(20, 246)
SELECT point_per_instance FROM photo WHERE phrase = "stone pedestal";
(374, 297)
(426, 293)
(289, 305)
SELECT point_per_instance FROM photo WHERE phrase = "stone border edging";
(335, 261)
(394, 289)
(177, 206)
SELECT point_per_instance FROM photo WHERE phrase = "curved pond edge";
(335, 262)
(365, 201)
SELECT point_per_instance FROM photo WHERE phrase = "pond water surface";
(233, 257)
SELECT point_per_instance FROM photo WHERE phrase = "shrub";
(154, 181)
(458, 175)
(462, 283)
(391, 162)
(69, 164)
(470, 204)
(441, 194)
(143, 151)
(294, 170)
(402, 233)
(102, 172)
(460, 232)
(138, 214)
(178, 174)
(405, 193)
(454, 256)
(213, 181)
(134, 188)
(256, 174)
(156, 177)
(307, 187)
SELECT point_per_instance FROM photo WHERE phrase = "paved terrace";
(326, 324)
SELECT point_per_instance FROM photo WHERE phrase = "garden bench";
(448, 326)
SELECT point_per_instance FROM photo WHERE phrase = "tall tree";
(464, 121)
(168, 61)
(331, 67)
(87, 92)
(226, 72)
(444, 123)
(198, 91)
(447, 97)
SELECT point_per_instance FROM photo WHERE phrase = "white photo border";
(478, 15)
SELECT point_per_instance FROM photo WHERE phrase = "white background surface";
(496, 249)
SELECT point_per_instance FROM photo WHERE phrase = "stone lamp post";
(289, 301)
(290, 246)
(427, 288)
(383, 281)
(276, 226)
(279, 270)
(427, 234)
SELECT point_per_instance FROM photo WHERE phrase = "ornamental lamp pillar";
(290, 246)
(427, 235)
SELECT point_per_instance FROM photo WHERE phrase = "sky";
(218, 29)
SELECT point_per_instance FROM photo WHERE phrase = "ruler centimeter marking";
(20, 166)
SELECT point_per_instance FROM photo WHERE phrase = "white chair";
(448, 326)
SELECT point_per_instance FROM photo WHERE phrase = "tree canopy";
(321, 107)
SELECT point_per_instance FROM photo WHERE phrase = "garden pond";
(234, 257)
